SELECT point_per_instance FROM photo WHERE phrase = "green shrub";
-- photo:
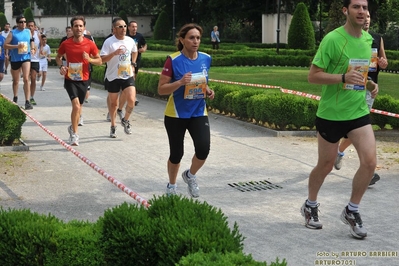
(128, 236)
(26, 237)
(380, 103)
(182, 226)
(11, 121)
(241, 99)
(3, 20)
(300, 33)
(162, 27)
(219, 259)
(76, 243)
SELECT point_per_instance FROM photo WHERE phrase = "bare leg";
(25, 72)
(130, 95)
(364, 141)
(112, 106)
(44, 76)
(344, 144)
(327, 153)
(75, 114)
(173, 169)
(196, 164)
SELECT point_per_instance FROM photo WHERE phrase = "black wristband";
(343, 78)
(134, 64)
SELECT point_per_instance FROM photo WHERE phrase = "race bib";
(196, 89)
(22, 47)
(374, 60)
(124, 69)
(75, 71)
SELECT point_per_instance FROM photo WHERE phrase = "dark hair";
(346, 3)
(69, 27)
(7, 24)
(43, 36)
(183, 32)
(133, 21)
(82, 18)
(30, 21)
(116, 20)
(19, 17)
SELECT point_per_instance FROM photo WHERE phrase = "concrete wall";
(269, 27)
(99, 26)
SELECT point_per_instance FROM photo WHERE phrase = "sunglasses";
(121, 26)
(22, 21)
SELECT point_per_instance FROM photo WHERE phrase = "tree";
(28, 14)
(122, 15)
(335, 15)
(3, 20)
(301, 33)
(162, 27)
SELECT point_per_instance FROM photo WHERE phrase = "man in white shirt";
(120, 54)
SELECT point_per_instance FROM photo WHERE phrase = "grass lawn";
(292, 78)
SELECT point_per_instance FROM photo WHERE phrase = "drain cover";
(254, 186)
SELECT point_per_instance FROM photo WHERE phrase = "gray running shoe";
(338, 162)
(375, 178)
(355, 223)
(126, 125)
(171, 190)
(108, 117)
(193, 188)
(112, 133)
(32, 101)
(74, 140)
(311, 215)
(121, 114)
(28, 106)
(81, 123)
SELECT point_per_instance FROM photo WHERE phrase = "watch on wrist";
(134, 64)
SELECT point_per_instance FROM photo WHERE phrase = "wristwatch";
(134, 64)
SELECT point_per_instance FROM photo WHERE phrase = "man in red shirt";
(79, 53)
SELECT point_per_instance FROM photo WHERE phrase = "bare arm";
(106, 58)
(318, 76)
(93, 59)
(134, 57)
(166, 88)
(382, 58)
(7, 44)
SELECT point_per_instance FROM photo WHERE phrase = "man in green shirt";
(341, 66)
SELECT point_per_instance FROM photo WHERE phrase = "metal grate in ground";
(254, 186)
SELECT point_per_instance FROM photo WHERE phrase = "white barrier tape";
(93, 165)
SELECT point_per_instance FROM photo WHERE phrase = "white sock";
(190, 175)
(311, 203)
(171, 185)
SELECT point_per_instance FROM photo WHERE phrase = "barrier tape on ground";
(298, 93)
(93, 165)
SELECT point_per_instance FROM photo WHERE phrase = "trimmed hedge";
(11, 121)
(268, 107)
(173, 227)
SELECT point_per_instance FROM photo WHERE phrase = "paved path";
(54, 180)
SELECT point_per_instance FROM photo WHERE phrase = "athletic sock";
(352, 207)
(310, 203)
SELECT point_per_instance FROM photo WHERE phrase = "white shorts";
(43, 65)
